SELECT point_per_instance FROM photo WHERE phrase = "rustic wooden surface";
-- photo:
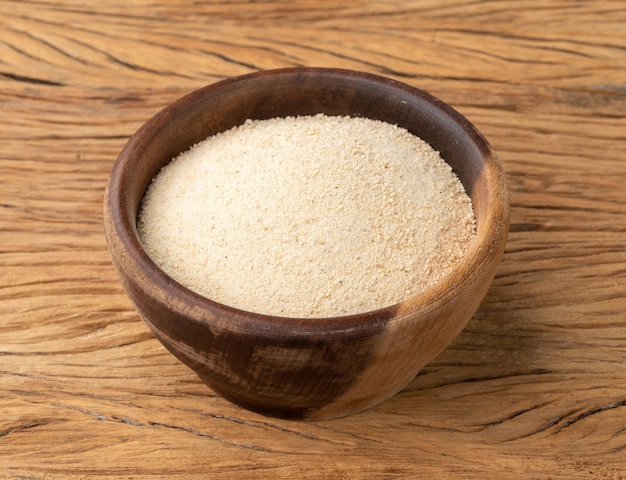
(535, 387)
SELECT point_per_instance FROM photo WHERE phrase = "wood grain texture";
(535, 387)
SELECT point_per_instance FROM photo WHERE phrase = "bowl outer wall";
(305, 368)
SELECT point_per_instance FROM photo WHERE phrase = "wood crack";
(590, 412)
(21, 428)
(31, 80)
(515, 415)
(208, 435)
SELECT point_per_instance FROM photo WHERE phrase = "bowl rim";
(121, 230)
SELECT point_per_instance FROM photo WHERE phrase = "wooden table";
(535, 387)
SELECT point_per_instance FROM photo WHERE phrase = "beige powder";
(308, 216)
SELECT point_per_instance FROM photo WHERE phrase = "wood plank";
(535, 386)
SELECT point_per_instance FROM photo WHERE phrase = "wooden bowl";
(291, 367)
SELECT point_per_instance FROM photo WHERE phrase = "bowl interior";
(309, 91)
